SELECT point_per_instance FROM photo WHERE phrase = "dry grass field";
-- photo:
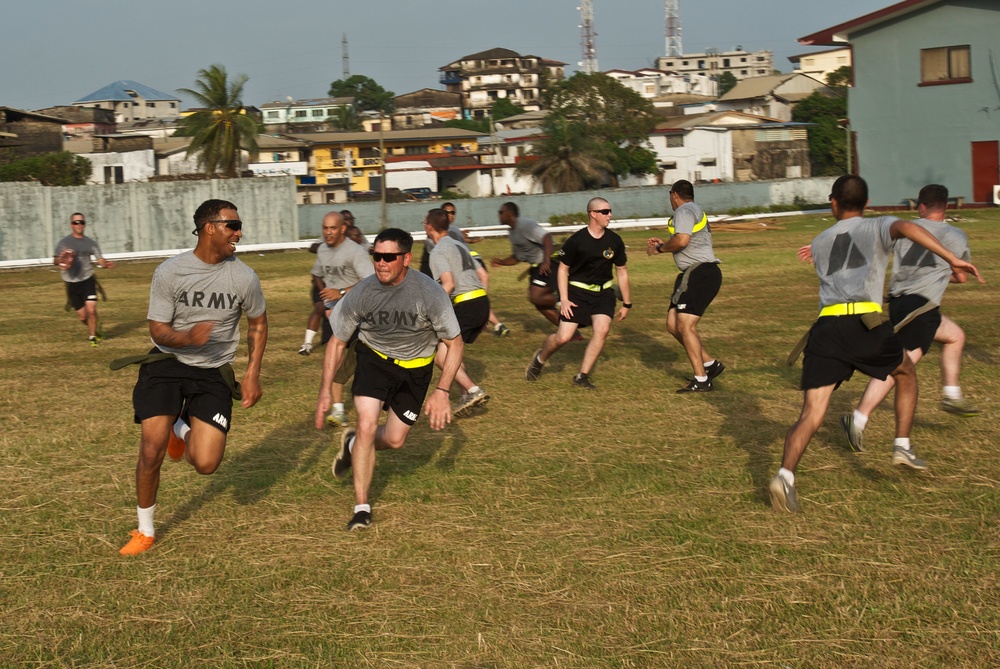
(628, 527)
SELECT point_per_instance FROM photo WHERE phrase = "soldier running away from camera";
(453, 267)
(697, 284)
(851, 332)
(184, 396)
(917, 284)
(400, 315)
(586, 292)
(73, 256)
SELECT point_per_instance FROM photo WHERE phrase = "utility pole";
(346, 59)
(381, 153)
(588, 38)
(673, 12)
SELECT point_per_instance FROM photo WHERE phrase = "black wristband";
(627, 305)
(659, 248)
(445, 390)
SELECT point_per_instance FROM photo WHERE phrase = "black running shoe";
(361, 520)
(715, 369)
(342, 462)
(696, 387)
(583, 381)
(534, 369)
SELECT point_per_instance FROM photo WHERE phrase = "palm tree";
(566, 159)
(220, 129)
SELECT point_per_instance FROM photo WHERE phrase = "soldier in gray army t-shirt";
(73, 256)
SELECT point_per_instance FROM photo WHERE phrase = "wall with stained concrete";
(642, 202)
(136, 217)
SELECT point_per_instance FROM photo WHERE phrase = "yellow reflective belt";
(592, 287)
(407, 364)
(849, 308)
(700, 225)
(471, 295)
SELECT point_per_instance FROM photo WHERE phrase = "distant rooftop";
(119, 90)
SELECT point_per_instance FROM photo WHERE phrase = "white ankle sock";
(310, 335)
(902, 442)
(363, 507)
(146, 520)
(701, 379)
(952, 392)
(787, 476)
(473, 390)
(181, 428)
(860, 419)
(709, 363)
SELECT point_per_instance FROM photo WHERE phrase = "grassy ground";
(557, 528)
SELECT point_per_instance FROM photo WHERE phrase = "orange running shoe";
(176, 447)
(137, 544)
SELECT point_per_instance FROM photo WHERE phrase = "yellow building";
(356, 155)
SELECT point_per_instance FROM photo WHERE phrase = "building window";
(418, 150)
(319, 112)
(113, 174)
(675, 141)
(272, 115)
(300, 113)
(945, 65)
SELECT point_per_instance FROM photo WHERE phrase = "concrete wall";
(650, 201)
(140, 216)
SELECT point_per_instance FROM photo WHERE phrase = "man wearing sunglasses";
(696, 286)
(183, 398)
(73, 256)
(586, 291)
(400, 317)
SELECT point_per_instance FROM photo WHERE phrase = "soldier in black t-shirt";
(585, 291)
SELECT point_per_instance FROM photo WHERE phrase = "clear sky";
(58, 51)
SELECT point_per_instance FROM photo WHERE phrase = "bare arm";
(438, 407)
(256, 343)
(165, 335)
(623, 284)
(503, 262)
(447, 282)
(919, 235)
(562, 280)
(548, 246)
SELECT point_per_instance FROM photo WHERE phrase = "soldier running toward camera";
(73, 256)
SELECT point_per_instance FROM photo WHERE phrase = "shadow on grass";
(653, 353)
(122, 329)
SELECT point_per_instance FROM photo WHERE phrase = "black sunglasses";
(79, 222)
(605, 212)
(235, 226)
(450, 212)
(387, 257)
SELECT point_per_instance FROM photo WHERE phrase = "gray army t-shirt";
(850, 259)
(82, 268)
(453, 231)
(699, 248)
(404, 321)
(343, 265)
(186, 291)
(527, 241)
(917, 271)
(451, 256)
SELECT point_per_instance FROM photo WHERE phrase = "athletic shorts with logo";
(81, 292)
(703, 285)
(472, 316)
(544, 280)
(589, 304)
(918, 333)
(838, 345)
(164, 385)
(401, 390)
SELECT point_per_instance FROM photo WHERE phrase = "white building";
(651, 83)
(818, 64)
(293, 112)
(741, 64)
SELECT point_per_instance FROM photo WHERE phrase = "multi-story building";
(741, 64)
(818, 64)
(132, 101)
(651, 83)
(426, 107)
(485, 77)
(301, 112)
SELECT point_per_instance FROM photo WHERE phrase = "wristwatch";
(343, 291)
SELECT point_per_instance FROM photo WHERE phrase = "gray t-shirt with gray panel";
(851, 257)
(451, 256)
(82, 268)
(186, 291)
(699, 250)
(527, 241)
(343, 265)
(917, 271)
(404, 321)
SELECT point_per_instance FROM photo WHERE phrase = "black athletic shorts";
(703, 286)
(918, 333)
(165, 385)
(589, 304)
(472, 316)
(401, 390)
(545, 280)
(838, 345)
(81, 292)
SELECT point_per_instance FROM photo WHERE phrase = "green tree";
(344, 118)
(50, 169)
(840, 78)
(727, 81)
(501, 109)
(367, 94)
(220, 129)
(609, 122)
(567, 158)
(827, 140)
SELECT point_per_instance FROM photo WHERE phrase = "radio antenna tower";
(674, 47)
(587, 38)
(344, 57)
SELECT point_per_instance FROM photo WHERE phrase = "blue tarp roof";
(119, 91)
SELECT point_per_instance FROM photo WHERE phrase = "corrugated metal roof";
(119, 91)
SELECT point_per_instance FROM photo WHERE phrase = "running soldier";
(72, 255)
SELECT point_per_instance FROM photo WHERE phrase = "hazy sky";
(58, 51)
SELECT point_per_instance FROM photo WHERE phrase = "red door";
(985, 170)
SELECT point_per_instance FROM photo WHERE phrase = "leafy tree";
(827, 140)
(727, 81)
(501, 109)
(840, 78)
(344, 118)
(609, 115)
(50, 169)
(567, 158)
(220, 129)
(367, 94)
(504, 108)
